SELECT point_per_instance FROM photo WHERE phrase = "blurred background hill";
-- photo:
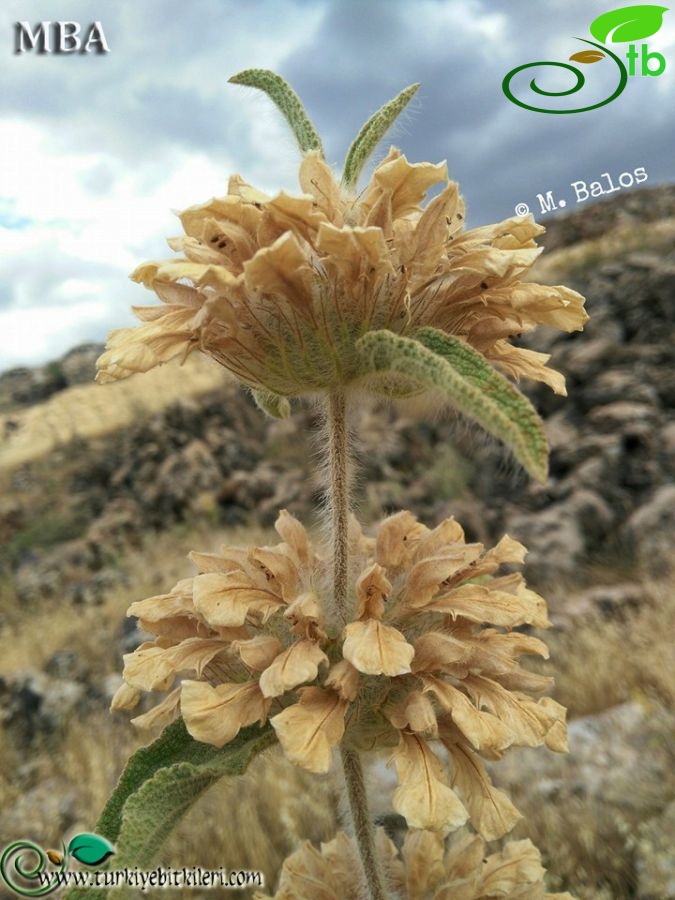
(104, 490)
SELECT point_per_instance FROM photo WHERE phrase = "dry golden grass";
(91, 410)
(601, 662)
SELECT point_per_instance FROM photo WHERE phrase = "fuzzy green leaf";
(630, 23)
(159, 785)
(272, 404)
(285, 98)
(468, 381)
(174, 745)
(372, 133)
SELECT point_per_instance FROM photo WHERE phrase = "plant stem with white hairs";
(338, 495)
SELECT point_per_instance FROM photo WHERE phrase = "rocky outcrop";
(24, 387)
(596, 220)
(609, 496)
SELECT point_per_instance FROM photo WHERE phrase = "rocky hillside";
(200, 449)
(104, 489)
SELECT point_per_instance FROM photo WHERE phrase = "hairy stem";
(338, 455)
(364, 833)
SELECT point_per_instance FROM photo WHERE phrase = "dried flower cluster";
(279, 290)
(412, 639)
(430, 654)
(424, 870)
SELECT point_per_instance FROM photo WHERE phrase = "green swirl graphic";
(623, 80)
(12, 865)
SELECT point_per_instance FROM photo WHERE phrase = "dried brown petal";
(423, 796)
(214, 715)
(310, 729)
(377, 649)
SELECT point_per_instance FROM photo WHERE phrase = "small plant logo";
(24, 866)
(620, 26)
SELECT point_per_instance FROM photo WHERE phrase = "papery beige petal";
(237, 187)
(229, 599)
(464, 857)
(125, 697)
(414, 713)
(507, 550)
(212, 562)
(529, 721)
(556, 736)
(258, 652)
(372, 588)
(519, 361)
(408, 183)
(165, 606)
(297, 665)
(377, 649)
(331, 873)
(440, 652)
(482, 729)
(214, 715)
(344, 679)
(423, 857)
(281, 269)
(439, 539)
(299, 215)
(396, 537)
(480, 603)
(293, 533)
(427, 575)
(160, 715)
(518, 864)
(355, 253)
(431, 232)
(310, 729)
(497, 652)
(131, 350)
(153, 668)
(423, 796)
(278, 565)
(317, 179)
(492, 813)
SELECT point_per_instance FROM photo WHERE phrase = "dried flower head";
(338, 289)
(424, 870)
(428, 658)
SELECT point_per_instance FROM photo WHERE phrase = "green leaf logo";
(630, 23)
(587, 56)
(90, 849)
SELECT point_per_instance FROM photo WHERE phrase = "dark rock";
(650, 530)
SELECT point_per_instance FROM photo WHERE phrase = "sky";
(97, 152)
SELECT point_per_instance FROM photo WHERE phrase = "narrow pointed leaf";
(630, 23)
(275, 406)
(288, 102)
(469, 383)
(372, 133)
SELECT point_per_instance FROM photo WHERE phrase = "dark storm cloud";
(164, 86)
(500, 153)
